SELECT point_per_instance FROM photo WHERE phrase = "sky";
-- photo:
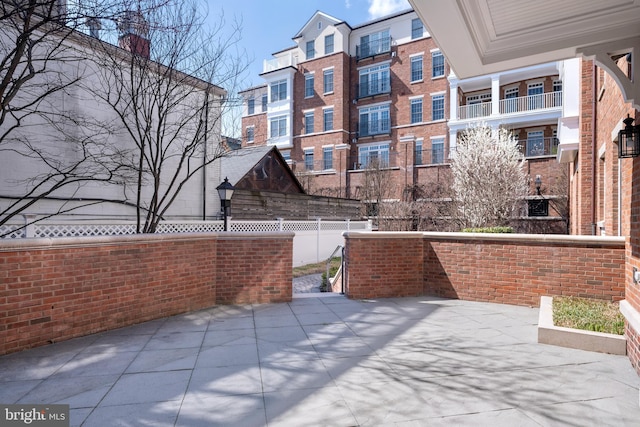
(269, 25)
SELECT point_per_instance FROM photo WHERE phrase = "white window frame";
(325, 111)
(333, 41)
(382, 152)
(414, 28)
(308, 153)
(309, 115)
(434, 54)
(417, 59)
(282, 129)
(309, 90)
(416, 101)
(327, 160)
(310, 53)
(326, 73)
(251, 130)
(382, 113)
(434, 97)
(277, 94)
(437, 140)
(379, 76)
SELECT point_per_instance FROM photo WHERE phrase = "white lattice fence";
(12, 231)
(82, 230)
(254, 226)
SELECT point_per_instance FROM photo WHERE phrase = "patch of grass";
(588, 314)
(317, 268)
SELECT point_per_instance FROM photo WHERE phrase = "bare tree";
(168, 96)
(489, 181)
(49, 147)
(376, 188)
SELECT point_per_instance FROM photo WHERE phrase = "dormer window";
(319, 25)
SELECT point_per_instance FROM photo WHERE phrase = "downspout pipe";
(594, 140)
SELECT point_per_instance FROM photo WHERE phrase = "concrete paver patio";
(325, 360)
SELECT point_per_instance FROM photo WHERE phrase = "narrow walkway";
(328, 361)
(307, 284)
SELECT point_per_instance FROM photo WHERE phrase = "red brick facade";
(53, 290)
(504, 269)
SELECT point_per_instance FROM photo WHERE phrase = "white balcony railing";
(541, 101)
(520, 104)
(277, 63)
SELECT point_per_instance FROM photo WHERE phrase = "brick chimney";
(134, 33)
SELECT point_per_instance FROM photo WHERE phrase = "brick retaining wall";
(56, 289)
(510, 269)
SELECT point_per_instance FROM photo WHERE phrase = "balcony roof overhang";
(481, 37)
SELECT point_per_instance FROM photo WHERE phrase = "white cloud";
(347, 4)
(378, 8)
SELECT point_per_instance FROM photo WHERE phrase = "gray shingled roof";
(238, 163)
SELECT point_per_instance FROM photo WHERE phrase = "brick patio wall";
(55, 289)
(508, 269)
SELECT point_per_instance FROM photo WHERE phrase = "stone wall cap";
(7, 245)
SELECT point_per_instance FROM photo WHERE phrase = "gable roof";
(334, 21)
(239, 166)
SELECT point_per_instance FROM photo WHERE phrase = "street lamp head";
(225, 190)
(538, 183)
(629, 139)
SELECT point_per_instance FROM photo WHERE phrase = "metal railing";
(278, 63)
(373, 47)
(329, 284)
(542, 101)
(374, 88)
(534, 147)
(374, 127)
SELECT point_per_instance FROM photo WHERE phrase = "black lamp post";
(538, 182)
(225, 191)
(629, 139)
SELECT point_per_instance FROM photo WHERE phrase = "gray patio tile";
(226, 380)
(12, 391)
(164, 360)
(294, 375)
(235, 337)
(160, 414)
(202, 409)
(261, 310)
(146, 328)
(317, 318)
(86, 364)
(147, 387)
(608, 411)
(328, 331)
(282, 334)
(231, 311)
(228, 355)
(360, 370)
(282, 352)
(310, 407)
(276, 321)
(341, 347)
(165, 341)
(78, 392)
(499, 418)
(181, 324)
(31, 368)
(77, 416)
(228, 323)
(108, 343)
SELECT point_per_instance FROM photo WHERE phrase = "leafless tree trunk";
(48, 148)
(169, 100)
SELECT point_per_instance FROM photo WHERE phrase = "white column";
(453, 100)
(495, 95)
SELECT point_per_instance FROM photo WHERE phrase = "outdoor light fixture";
(629, 139)
(225, 191)
(538, 182)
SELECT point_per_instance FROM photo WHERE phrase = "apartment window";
(418, 154)
(416, 110)
(373, 156)
(328, 44)
(308, 159)
(374, 44)
(557, 93)
(265, 98)
(535, 143)
(251, 106)
(250, 133)
(535, 93)
(511, 100)
(327, 158)
(416, 68)
(327, 119)
(375, 120)
(308, 85)
(417, 29)
(437, 64)
(437, 151)
(278, 126)
(327, 81)
(286, 155)
(308, 122)
(278, 90)
(437, 107)
(557, 85)
(311, 49)
(375, 80)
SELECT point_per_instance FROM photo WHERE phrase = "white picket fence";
(313, 241)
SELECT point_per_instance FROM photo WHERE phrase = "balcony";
(522, 104)
(374, 88)
(374, 127)
(434, 156)
(274, 64)
(373, 48)
(535, 147)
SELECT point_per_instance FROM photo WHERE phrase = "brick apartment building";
(343, 101)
